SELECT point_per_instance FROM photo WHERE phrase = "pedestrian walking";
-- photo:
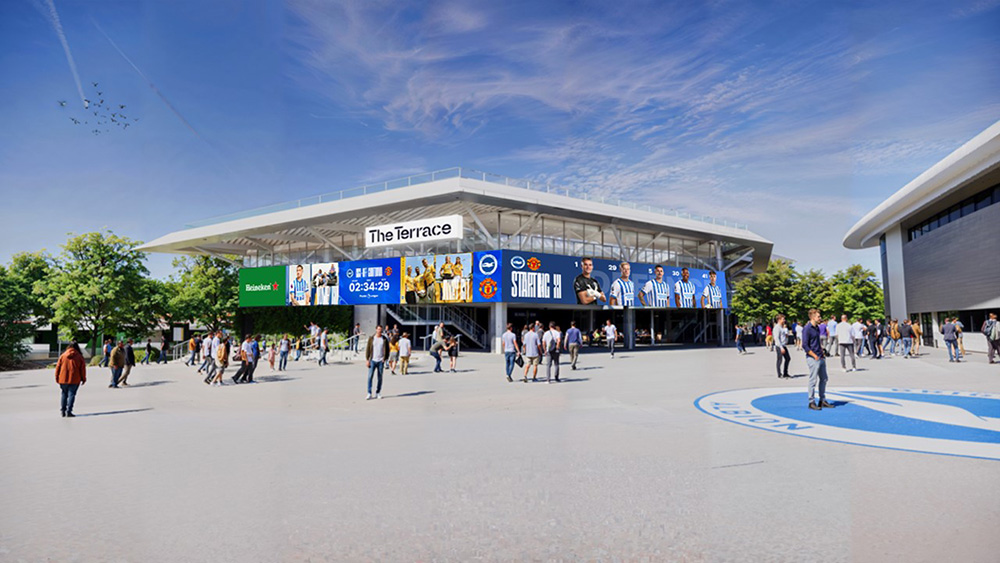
(192, 348)
(780, 334)
(221, 355)
(510, 350)
(214, 342)
(858, 337)
(376, 353)
(272, 354)
(117, 364)
(831, 333)
(71, 373)
(906, 337)
(531, 347)
(798, 335)
(149, 352)
(323, 347)
(845, 342)
(163, 351)
(550, 344)
(573, 342)
(356, 334)
(436, 348)
(451, 346)
(246, 360)
(106, 352)
(769, 338)
(129, 363)
(206, 353)
(918, 334)
(991, 330)
(741, 335)
(894, 338)
(950, 332)
(405, 351)
(298, 348)
(959, 333)
(284, 347)
(611, 335)
(875, 339)
(393, 352)
(816, 360)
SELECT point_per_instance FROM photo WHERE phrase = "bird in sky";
(95, 84)
(62, 103)
(121, 106)
(75, 121)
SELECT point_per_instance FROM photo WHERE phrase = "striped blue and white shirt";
(657, 293)
(686, 290)
(714, 294)
(623, 291)
(299, 288)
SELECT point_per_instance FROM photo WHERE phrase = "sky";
(794, 117)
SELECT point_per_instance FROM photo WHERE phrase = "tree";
(97, 282)
(15, 323)
(207, 292)
(811, 293)
(761, 297)
(26, 269)
(856, 292)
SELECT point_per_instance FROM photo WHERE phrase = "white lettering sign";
(409, 232)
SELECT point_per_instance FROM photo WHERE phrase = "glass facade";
(969, 205)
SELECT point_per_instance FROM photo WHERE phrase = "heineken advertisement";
(262, 287)
(511, 276)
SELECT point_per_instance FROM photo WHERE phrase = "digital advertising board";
(510, 276)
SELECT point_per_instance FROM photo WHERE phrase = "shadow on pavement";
(587, 368)
(114, 412)
(411, 394)
(273, 378)
(20, 387)
(148, 384)
(571, 379)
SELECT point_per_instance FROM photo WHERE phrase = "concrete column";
(936, 330)
(629, 328)
(498, 324)
(367, 315)
(895, 283)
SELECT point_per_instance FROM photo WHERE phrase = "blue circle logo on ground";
(958, 423)
(487, 264)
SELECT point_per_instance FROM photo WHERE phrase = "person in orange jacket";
(71, 373)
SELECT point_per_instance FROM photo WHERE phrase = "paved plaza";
(615, 463)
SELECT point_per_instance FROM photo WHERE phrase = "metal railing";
(434, 314)
(471, 174)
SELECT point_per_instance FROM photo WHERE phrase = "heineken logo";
(250, 287)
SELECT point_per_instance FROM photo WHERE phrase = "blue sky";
(794, 117)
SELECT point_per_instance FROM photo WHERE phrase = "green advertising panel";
(262, 287)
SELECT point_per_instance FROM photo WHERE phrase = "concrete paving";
(616, 463)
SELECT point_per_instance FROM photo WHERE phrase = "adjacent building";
(939, 238)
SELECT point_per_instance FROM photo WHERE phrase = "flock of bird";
(105, 114)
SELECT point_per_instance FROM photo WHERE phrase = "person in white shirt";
(858, 335)
(510, 350)
(610, 334)
(532, 353)
(322, 348)
(551, 343)
(656, 290)
(405, 349)
(831, 335)
(846, 341)
(284, 348)
(780, 334)
(798, 336)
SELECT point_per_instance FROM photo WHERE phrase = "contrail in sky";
(149, 82)
(57, 25)
(216, 151)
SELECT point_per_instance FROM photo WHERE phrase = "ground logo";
(959, 423)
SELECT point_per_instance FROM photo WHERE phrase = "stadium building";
(939, 238)
(476, 251)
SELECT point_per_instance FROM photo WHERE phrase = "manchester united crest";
(534, 263)
(488, 288)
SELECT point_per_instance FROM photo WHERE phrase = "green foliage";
(856, 292)
(207, 292)
(781, 289)
(27, 268)
(98, 285)
(15, 325)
